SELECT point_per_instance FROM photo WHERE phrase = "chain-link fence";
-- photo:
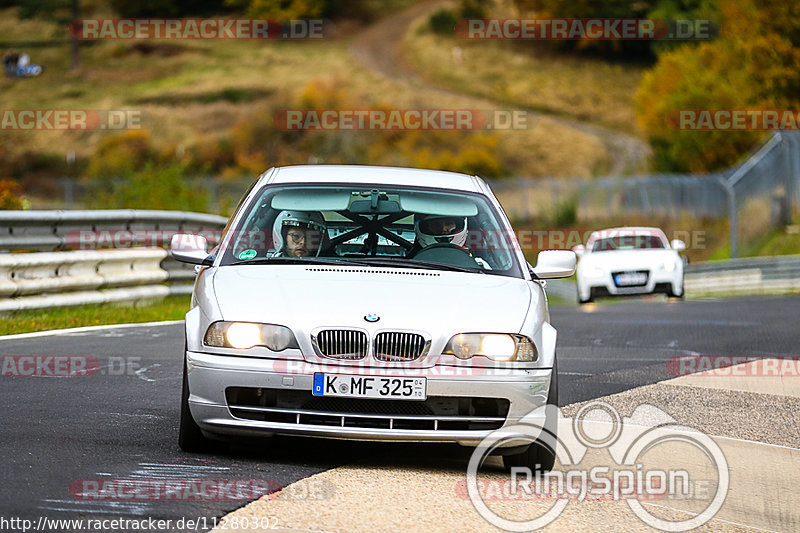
(757, 195)
(221, 195)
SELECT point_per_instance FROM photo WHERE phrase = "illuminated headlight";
(244, 335)
(495, 346)
(669, 265)
(593, 272)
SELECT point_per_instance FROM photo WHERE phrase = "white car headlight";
(245, 335)
(669, 265)
(495, 346)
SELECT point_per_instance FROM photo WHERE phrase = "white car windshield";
(628, 242)
(373, 225)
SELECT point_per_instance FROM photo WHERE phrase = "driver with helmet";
(298, 234)
(442, 229)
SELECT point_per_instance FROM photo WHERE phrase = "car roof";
(378, 175)
(643, 229)
(613, 232)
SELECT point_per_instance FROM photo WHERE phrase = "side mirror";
(555, 264)
(678, 245)
(192, 249)
(579, 250)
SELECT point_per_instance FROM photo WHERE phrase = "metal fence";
(757, 195)
(82, 271)
(765, 189)
(221, 195)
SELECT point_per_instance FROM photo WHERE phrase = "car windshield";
(372, 225)
(628, 242)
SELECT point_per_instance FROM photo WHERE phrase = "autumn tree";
(751, 65)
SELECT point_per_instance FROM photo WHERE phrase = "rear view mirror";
(381, 207)
(555, 264)
(579, 250)
(192, 249)
(678, 245)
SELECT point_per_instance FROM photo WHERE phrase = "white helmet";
(301, 219)
(429, 231)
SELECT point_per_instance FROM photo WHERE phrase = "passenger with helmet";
(298, 234)
(439, 229)
(442, 229)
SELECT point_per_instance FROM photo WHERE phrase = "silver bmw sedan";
(369, 303)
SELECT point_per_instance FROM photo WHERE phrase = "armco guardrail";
(50, 279)
(37, 273)
(746, 275)
(44, 231)
(86, 275)
(741, 276)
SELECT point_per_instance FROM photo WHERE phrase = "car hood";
(627, 259)
(309, 297)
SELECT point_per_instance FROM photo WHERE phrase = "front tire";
(190, 438)
(678, 295)
(581, 301)
(538, 456)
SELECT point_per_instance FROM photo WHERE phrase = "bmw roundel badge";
(372, 317)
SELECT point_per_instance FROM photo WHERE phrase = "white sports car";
(631, 260)
(369, 303)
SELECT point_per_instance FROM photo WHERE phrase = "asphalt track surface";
(121, 423)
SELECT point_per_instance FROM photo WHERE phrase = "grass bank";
(170, 308)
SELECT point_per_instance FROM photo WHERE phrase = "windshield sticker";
(247, 254)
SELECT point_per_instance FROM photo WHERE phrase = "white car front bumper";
(604, 285)
(247, 396)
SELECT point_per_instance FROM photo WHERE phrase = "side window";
(255, 233)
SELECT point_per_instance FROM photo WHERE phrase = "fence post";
(786, 146)
(792, 147)
(69, 192)
(732, 215)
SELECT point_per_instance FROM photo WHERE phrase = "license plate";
(630, 278)
(369, 387)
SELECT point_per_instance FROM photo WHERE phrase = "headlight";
(495, 346)
(244, 335)
(669, 265)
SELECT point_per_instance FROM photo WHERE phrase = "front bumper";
(210, 376)
(604, 285)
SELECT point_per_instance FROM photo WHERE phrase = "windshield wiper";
(295, 261)
(412, 263)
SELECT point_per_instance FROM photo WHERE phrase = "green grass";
(778, 241)
(170, 308)
(783, 241)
